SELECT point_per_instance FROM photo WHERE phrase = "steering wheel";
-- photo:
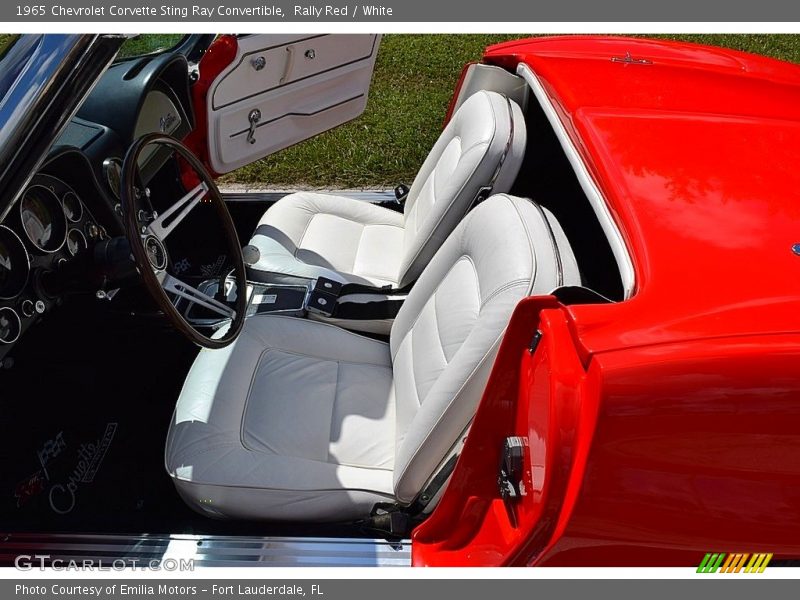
(147, 233)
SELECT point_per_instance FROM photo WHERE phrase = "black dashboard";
(49, 226)
(73, 202)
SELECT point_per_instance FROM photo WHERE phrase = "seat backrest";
(446, 335)
(482, 145)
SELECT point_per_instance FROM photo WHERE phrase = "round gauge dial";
(76, 242)
(14, 264)
(10, 325)
(112, 168)
(43, 219)
(72, 207)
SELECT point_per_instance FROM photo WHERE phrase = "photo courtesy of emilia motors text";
(337, 299)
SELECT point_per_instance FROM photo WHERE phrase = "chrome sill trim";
(270, 196)
(210, 550)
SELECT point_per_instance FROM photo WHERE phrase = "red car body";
(666, 425)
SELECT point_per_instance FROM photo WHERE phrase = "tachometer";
(14, 264)
(43, 219)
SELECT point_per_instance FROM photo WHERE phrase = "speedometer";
(43, 219)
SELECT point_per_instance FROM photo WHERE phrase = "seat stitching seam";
(438, 333)
(358, 248)
(531, 246)
(333, 360)
(503, 288)
(184, 456)
(249, 394)
(333, 410)
(414, 203)
(349, 220)
(436, 289)
(299, 244)
(476, 144)
(339, 329)
(278, 489)
(413, 372)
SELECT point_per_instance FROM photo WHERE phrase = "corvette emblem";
(629, 60)
(166, 122)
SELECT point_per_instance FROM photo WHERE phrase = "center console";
(262, 298)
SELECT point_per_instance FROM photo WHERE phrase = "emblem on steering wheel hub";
(156, 252)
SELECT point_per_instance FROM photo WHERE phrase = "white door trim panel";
(303, 86)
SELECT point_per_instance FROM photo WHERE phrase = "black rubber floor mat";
(85, 412)
(84, 415)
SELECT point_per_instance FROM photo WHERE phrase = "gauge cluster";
(48, 226)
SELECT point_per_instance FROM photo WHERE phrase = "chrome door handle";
(287, 70)
(254, 117)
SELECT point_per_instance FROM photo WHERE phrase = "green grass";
(413, 81)
(411, 87)
(148, 44)
(5, 40)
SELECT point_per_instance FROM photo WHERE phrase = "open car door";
(281, 89)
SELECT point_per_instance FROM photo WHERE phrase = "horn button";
(156, 252)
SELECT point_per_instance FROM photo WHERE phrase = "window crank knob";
(258, 63)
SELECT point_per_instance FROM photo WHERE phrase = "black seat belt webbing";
(325, 299)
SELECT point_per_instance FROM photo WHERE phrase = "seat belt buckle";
(322, 299)
(327, 286)
(482, 195)
(401, 193)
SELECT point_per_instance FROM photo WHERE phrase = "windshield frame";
(53, 74)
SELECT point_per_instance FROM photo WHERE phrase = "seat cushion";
(295, 420)
(306, 235)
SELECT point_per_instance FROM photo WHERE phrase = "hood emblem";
(629, 60)
(796, 249)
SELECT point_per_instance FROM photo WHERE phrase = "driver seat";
(302, 420)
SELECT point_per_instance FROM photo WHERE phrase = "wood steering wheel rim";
(137, 233)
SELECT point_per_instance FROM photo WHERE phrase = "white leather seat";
(302, 420)
(307, 235)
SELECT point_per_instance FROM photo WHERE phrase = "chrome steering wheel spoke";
(167, 221)
(180, 288)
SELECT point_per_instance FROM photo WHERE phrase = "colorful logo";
(714, 562)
